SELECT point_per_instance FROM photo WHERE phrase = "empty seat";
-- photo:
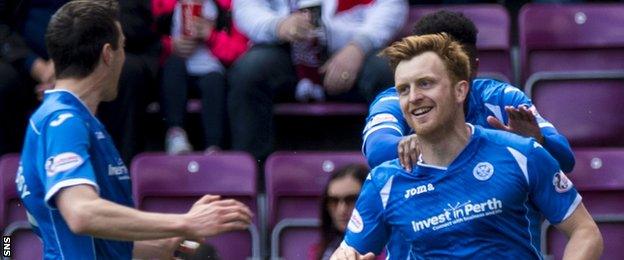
(493, 40)
(570, 38)
(587, 110)
(24, 243)
(295, 182)
(599, 177)
(163, 183)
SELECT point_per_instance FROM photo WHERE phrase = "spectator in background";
(24, 65)
(353, 30)
(123, 116)
(25, 23)
(201, 52)
(338, 201)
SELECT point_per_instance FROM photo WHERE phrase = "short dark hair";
(76, 34)
(454, 24)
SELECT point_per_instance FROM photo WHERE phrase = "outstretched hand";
(211, 216)
(522, 121)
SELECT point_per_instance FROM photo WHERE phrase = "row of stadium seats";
(286, 217)
(572, 42)
(551, 38)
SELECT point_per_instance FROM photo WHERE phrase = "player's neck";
(441, 150)
(86, 89)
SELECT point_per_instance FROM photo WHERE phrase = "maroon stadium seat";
(599, 177)
(320, 109)
(295, 183)
(493, 42)
(25, 244)
(164, 183)
(571, 37)
(586, 109)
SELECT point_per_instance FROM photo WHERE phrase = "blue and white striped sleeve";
(549, 188)
(385, 126)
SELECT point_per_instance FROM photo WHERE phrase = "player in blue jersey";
(72, 181)
(474, 193)
(491, 104)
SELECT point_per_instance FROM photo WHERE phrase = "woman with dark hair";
(338, 201)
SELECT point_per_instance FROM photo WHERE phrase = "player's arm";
(585, 240)
(385, 128)
(71, 186)
(367, 231)
(559, 147)
(523, 119)
(557, 199)
(88, 214)
(381, 145)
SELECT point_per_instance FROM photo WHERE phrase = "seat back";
(571, 37)
(295, 184)
(24, 243)
(599, 177)
(11, 208)
(171, 184)
(594, 100)
(493, 42)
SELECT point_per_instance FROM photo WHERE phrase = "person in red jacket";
(203, 47)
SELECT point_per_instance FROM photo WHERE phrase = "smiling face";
(429, 100)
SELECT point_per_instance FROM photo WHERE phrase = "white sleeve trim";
(68, 183)
(383, 99)
(546, 124)
(370, 131)
(572, 208)
(34, 128)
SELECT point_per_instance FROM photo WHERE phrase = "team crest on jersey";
(356, 225)
(483, 171)
(62, 162)
(561, 182)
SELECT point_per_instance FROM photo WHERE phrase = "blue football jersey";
(65, 146)
(488, 203)
(487, 97)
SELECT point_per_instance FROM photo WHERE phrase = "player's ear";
(107, 54)
(461, 90)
